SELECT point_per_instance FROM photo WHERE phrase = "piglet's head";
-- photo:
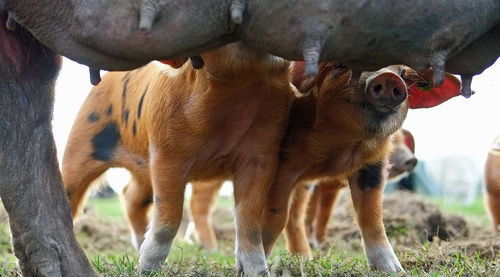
(383, 91)
(305, 83)
(402, 158)
(420, 91)
(373, 104)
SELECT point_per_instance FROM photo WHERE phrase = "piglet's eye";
(402, 74)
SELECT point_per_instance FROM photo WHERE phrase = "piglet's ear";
(298, 78)
(175, 63)
(427, 97)
(409, 140)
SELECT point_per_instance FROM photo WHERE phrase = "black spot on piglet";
(93, 117)
(104, 142)
(370, 176)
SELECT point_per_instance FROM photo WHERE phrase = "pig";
(99, 34)
(402, 159)
(341, 131)
(171, 126)
(347, 155)
(313, 204)
(30, 182)
(492, 183)
(346, 140)
(319, 204)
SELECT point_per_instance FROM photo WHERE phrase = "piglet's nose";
(387, 90)
(410, 164)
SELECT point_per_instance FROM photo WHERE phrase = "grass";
(188, 259)
(108, 207)
(333, 263)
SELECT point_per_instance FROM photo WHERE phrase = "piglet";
(341, 131)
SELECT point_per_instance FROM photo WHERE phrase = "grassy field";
(104, 235)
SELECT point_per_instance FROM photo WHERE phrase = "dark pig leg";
(30, 183)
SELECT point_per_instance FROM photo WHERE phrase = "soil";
(98, 234)
(411, 222)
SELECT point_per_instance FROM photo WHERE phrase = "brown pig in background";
(492, 180)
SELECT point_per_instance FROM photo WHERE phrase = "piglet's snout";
(386, 91)
(410, 164)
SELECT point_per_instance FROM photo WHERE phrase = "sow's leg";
(30, 183)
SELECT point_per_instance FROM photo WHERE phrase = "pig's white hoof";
(383, 259)
(313, 242)
(153, 253)
(251, 264)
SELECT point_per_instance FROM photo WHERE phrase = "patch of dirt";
(486, 247)
(223, 220)
(98, 234)
(411, 221)
(420, 220)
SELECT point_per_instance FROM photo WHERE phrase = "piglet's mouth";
(385, 109)
(380, 109)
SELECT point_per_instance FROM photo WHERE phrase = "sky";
(458, 131)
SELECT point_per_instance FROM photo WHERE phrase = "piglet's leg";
(137, 199)
(309, 221)
(201, 206)
(295, 232)
(366, 191)
(251, 183)
(326, 193)
(168, 181)
(277, 207)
